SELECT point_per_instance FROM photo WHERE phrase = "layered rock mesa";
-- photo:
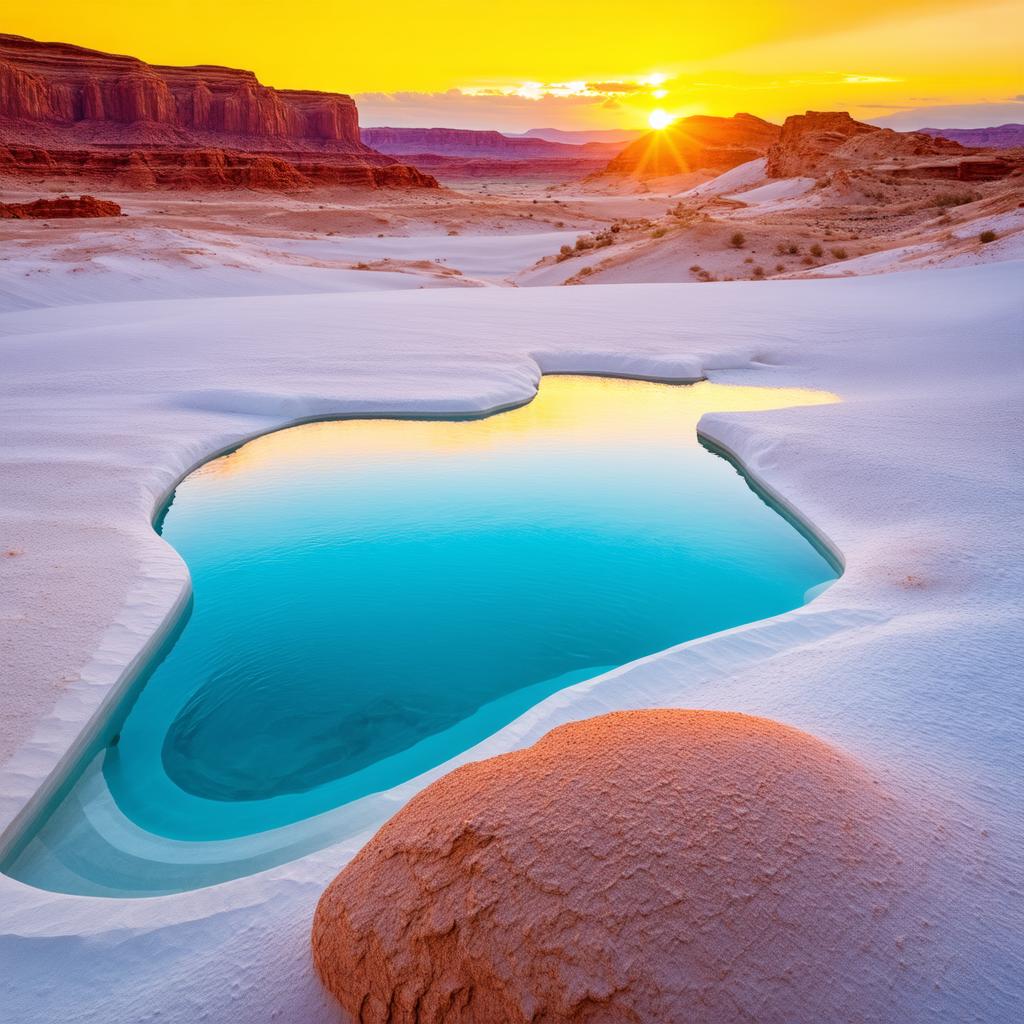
(696, 143)
(62, 105)
(818, 144)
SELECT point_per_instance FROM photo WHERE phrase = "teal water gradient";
(373, 597)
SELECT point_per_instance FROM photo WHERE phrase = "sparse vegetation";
(839, 253)
(987, 236)
(948, 199)
(816, 251)
(780, 267)
(738, 240)
(659, 232)
(758, 272)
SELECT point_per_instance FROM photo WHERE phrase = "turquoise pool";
(373, 597)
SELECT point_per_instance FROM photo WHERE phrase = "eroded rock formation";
(640, 866)
(818, 144)
(696, 143)
(64, 206)
(87, 112)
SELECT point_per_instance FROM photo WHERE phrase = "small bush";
(948, 199)
(453, 232)
(807, 261)
(586, 271)
(839, 253)
(696, 268)
(738, 240)
(615, 229)
(780, 267)
(659, 233)
(987, 236)
(758, 272)
(583, 242)
(816, 251)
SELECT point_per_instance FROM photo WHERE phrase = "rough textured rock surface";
(93, 113)
(695, 143)
(65, 206)
(648, 866)
(818, 144)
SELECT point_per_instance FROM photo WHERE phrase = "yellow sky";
(548, 62)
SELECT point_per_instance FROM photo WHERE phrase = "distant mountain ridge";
(465, 142)
(1003, 136)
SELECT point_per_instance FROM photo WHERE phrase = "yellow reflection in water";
(567, 410)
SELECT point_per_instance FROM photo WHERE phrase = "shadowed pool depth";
(372, 597)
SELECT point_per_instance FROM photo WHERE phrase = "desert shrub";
(696, 268)
(453, 232)
(586, 271)
(559, 223)
(738, 240)
(807, 261)
(948, 199)
(816, 251)
(659, 233)
(780, 267)
(362, 266)
(566, 250)
(839, 253)
(749, 259)
(584, 242)
(758, 272)
(615, 228)
(987, 236)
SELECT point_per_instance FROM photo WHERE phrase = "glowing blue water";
(372, 598)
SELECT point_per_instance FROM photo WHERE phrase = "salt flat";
(910, 662)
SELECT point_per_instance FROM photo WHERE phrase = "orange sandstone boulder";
(646, 866)
(65, 206)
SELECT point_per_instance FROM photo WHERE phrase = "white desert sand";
(909, 663)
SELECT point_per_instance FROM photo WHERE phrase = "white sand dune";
(910, 662)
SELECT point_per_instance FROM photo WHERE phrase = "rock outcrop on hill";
(819, 144)
(65, 206)
(82, 110)
(696, 143)
(641, 866)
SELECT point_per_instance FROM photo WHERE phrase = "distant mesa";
(66, 110)
(65, 206)
(1004, 136)
(658, 865)
(465, 153)
(696, 143)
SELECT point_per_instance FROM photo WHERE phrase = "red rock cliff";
(64, 85)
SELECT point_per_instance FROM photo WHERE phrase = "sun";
(658, 119)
